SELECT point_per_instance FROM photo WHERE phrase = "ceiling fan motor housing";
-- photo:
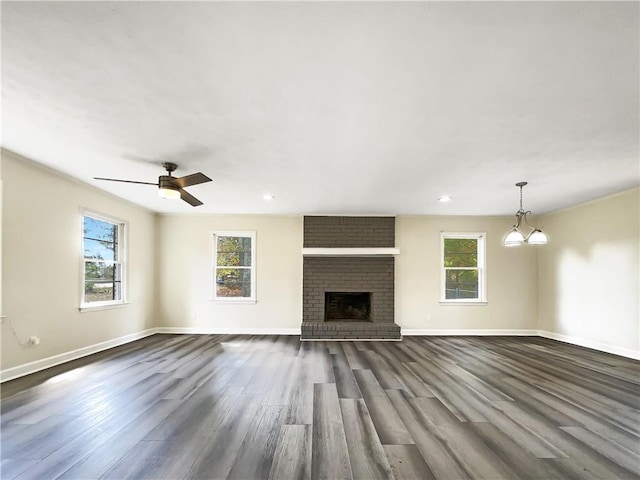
(168, 182)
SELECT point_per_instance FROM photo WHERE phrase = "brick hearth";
(350, 331)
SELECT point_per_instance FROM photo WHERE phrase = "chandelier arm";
(524, 215)
(521, 215)
(517, 224)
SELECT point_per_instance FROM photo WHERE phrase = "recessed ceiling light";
(268, 196)
(444, 199)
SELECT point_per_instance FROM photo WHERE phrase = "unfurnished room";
(320, 240)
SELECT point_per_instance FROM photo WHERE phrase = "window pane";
(102, 282)
(100, 239)
(100, 250)
(463, 245)
(460, 252)
(233, 282)
(234, 259)
(102, 291)
(101, 272)
(234, 249)
(461, 284)
(100, 230)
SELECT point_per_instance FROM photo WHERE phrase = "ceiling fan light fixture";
(168, 192)
(167, 188)
(171, 187)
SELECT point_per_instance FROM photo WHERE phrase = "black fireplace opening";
(347, 306)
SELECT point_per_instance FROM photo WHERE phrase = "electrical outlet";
(428, 318)
(34, 340)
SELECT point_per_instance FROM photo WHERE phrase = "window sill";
(95, 308)
(463, 302)
(245, 301)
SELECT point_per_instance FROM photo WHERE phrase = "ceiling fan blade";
(193, 179)
(190, 199)
(124, 181)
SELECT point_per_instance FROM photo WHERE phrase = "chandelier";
(515, 236)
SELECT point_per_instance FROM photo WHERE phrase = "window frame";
(214, 265)
(481, 267)
(122, 241)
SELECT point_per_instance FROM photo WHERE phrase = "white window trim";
(214, 263)
(482, 269)
(123, 241)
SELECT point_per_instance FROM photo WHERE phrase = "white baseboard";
(581, 342)
(33, 367)
(468, 332)
(229, 331)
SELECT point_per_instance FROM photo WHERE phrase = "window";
(463, 268)
(234, 263)
(103, 266)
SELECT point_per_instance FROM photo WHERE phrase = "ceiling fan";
(172, 187)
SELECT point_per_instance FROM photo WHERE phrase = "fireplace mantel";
(350, 252)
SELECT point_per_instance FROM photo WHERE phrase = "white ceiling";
(336, 107)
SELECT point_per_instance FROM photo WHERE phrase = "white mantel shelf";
(350, 252)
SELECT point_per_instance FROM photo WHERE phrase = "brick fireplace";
(348, 278)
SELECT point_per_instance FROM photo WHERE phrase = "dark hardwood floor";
(245, 407)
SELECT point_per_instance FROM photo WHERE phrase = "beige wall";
(186, 273)
(42, 254)
(185, 279)
(589, 274)
(583, 285)
(511, 277)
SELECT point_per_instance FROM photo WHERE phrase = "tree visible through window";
(102, 247)
(463, 267)
(234, 266)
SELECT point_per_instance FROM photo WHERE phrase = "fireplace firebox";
(347, 306)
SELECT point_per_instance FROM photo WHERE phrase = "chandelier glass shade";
(516, 236)
(513, 238)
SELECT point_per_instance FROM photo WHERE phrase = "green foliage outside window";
(461, 267)
(233, 266)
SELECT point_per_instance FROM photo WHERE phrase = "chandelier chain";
(521, 198)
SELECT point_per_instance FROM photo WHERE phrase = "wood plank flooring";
(272, 407)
